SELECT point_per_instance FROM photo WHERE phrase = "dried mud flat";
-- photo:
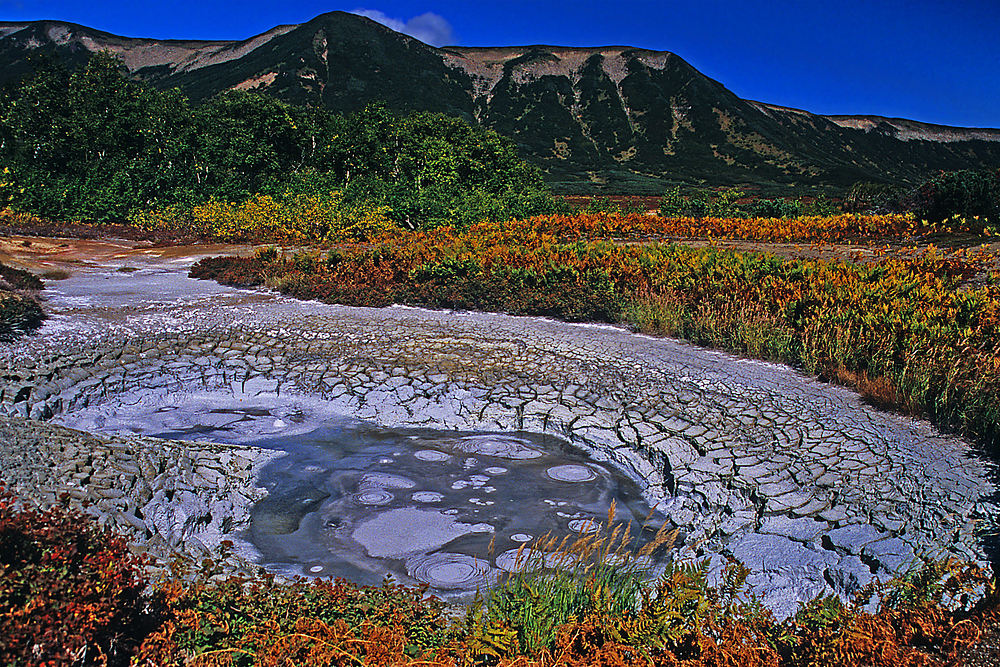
(813, 490)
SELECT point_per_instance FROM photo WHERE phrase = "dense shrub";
(19, 311)
(258, 621)
(774, 208)
(19, 279)
(732, 203)
(960, 194)
(94, 145)
(70, 593)
(19, 314)
(289, 218)
(965, 200)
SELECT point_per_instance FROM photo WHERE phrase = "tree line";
(95, 145)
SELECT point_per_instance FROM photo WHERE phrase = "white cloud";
(429, 28)
(381, 17)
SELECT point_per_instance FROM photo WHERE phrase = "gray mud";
(816, 491)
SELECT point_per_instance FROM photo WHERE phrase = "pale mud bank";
(815, 491)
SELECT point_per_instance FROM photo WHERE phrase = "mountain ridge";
(612, 117)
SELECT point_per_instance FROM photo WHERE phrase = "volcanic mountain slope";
(618, 117)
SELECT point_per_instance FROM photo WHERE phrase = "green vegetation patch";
(96, 146)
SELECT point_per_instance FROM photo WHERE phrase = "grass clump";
(557, 582)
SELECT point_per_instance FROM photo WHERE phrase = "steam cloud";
(429, 28)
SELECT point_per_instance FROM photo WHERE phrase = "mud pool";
(348, 499)
(815, 491)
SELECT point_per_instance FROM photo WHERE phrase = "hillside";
(615, 118)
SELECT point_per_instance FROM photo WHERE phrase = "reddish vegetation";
(71, 594)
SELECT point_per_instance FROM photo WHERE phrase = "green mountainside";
(611, 118)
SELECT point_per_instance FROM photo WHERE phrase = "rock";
(849, 575)
(771, 552)
(800, 530)
(851, 539)
(894, 555)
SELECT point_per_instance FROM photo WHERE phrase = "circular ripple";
(427, 497)
(374, 497)
(500, 446)
(495, 470)
(584, 525)
(315, 569)
(571, 473)
(520, 560)
(447, 570)
(431, 455)
(383, 480)
(521, 537)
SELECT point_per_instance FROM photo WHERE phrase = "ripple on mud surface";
(520, 560)
(386, 481)
(431, 455)
(585, 525)
(450, 571)
(499, 446)
(526, 559)
(374, 497)
(571, 473)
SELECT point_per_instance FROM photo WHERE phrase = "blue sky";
(931, 60)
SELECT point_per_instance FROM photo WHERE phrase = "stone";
(851, 539)
(769, 552)
(849, 575)
(800, 530)
(893, 554)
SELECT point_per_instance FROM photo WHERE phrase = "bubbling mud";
(447, 509)
(450, 509)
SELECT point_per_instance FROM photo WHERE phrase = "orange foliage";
(830, 228)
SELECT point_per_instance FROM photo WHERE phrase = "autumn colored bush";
(288, 218)
(70, 593)
(911, 328)
(258, 621)
(769, 228)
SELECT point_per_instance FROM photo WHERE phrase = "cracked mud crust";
(815, 491)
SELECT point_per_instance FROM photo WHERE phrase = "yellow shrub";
(293, 218)
(7, 186)
(171, 218)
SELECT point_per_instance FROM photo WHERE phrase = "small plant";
(601, 573)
